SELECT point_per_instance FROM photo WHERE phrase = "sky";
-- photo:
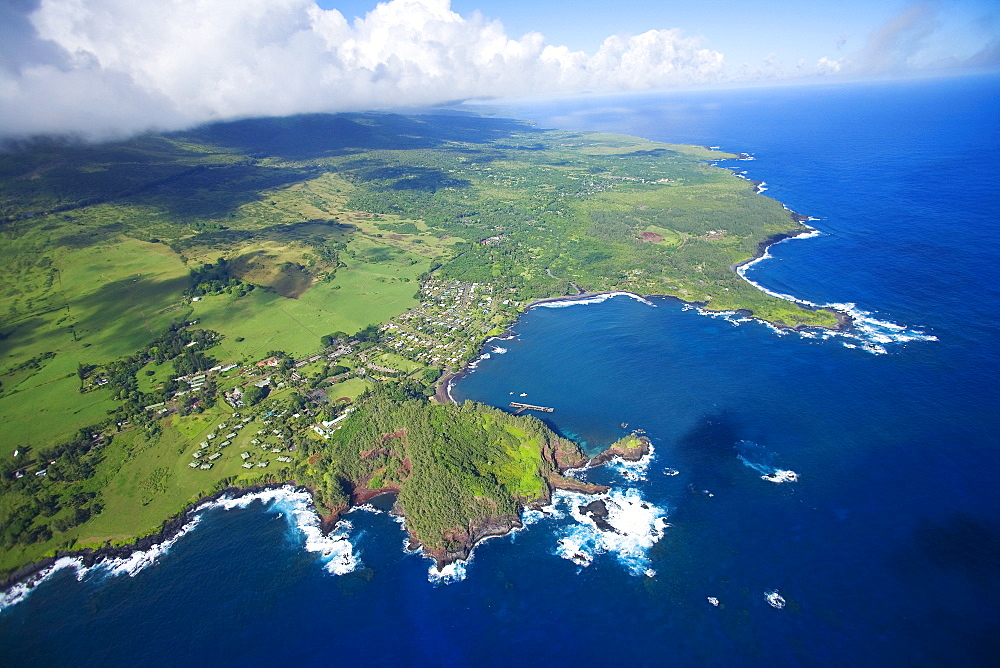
(111, 68)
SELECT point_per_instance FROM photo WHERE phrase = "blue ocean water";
(885, 549)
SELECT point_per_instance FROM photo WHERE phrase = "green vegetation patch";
(457, 468)
(146, 279)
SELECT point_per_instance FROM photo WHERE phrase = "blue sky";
(749, 32)
(113, 67)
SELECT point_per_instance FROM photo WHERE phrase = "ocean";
(811, 500)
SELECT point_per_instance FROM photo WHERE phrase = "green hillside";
(146, 279)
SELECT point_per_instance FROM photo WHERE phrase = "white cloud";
(120, 66)
(828, 66)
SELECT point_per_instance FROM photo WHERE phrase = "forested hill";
(461, 472)
(186, 311)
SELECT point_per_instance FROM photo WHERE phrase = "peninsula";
(275, 300)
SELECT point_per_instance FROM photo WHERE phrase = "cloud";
(828, 66)
(987, 57)
(115, 67)
(897, 44)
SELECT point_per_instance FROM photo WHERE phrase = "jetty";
(529, 407)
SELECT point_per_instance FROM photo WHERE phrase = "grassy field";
(348, 389)
(361, 294)
(394, 361)
(326, 224)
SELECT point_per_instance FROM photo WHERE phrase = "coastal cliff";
(439, 541)
(459, 474)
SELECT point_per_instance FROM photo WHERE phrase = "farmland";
(284, 273)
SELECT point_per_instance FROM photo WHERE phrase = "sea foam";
(334, 550)
(450, 574)
(131, 566)
(637, 526)
(866, 331)
(760, 459)
(21, 590)
(596, 299)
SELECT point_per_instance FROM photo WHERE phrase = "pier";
(529, 407)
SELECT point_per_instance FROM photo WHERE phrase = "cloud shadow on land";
(128, 309)
(313, 136)
(162, 172)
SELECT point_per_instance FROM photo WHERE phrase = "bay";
(884, 550)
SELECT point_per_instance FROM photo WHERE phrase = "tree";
(253, 395)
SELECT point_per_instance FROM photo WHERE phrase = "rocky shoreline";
(441, 391)
(563, 458)
(844, 320)
(504, 524)
(88, 557)
(466, 540)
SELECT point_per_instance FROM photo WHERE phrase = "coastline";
(496, 527)
(33, 573)
(442, 389)
(844, 319)
(30, 575)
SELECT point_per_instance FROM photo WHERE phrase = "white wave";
(334, 549)
(780, 476)
(130, 565)
(597, 299)
(21, 590)
(509, 336)
(366, 508)
(474, 364)
(774, 599)
(732, 317)
(632, 470)
(761, 460)
(450, 574)
(577, 548)
(534, 516)
(497, 350)
(637, 526)
(296, 506)
(670, 472)
(871, 332)
(140, 559)
(761, 187)
(714, 601)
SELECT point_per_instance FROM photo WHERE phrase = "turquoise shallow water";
(884, 550)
